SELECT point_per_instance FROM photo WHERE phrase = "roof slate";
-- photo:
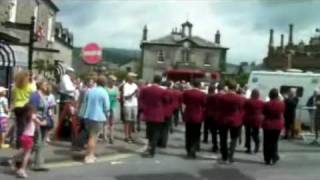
(175, 39)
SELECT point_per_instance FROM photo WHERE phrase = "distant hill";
(114, 55)
(110, 55)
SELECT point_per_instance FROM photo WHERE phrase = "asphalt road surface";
(299, 161)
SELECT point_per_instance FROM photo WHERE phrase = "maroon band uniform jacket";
(273, 115)
(253, 116)
(231, 110)
(153, 100)
(194, 101)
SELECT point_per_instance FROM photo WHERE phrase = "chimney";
(271, 38)
(270, 51)
(282, 42)
(217, 37)
(290, 42)
(183, 31)
(190, 31)
(145, 33)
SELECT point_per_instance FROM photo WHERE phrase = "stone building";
(181, 49)
(53, 43)
(64, 43)
(304, 56)
(129, 67)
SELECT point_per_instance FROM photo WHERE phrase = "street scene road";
(298, 161)
(160, 90)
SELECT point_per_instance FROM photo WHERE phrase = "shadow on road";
(224, 174)
(167, 176)
(208, 174)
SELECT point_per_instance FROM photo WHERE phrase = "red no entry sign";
(92, 53)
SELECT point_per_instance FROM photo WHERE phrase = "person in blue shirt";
(96, 108)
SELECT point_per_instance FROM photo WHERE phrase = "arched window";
(186, 52)
(185, 55)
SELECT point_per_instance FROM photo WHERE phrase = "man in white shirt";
(130, 106)
(67, 94)
(67, 87)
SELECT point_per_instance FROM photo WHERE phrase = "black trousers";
(154, 134)
(252, 133)
(214, 130)
(163, 141)
(289, 125)
(19, 125)
(193, 135)
(206, 129)
(211, 126)
(228, 152)
(176, 117)
(270, 145)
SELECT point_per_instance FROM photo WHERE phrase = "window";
(186, 44)
(49, 32)
(186, 52)
(186, 55)
(254, 79)
(314, 81)
(286, 89)
(13, 10)
(161, 56)
(56, 32)
(207, 60)
(35, 14)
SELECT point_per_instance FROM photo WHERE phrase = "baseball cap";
(70, 69)
(114, 78)
(131, 74)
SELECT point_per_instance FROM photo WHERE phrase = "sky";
(244, 24)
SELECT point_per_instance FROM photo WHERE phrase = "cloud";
(244, 24)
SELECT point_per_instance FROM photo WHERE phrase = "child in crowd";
(30, 123)
(51, 112)
(4, 110)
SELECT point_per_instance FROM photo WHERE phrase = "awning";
(21, 54)
(184, 74)
(7, 55)
(61, 67)
(215, 75)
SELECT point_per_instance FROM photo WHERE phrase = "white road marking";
(108, 158)
(116, 162)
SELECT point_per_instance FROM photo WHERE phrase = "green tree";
(121, 75)
(39, 65)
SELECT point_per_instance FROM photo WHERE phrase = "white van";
(304, 82)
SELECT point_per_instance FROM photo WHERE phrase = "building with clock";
(181, 50)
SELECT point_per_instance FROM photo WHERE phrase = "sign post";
(91, 53)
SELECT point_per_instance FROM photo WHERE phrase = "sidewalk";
(59, 151)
